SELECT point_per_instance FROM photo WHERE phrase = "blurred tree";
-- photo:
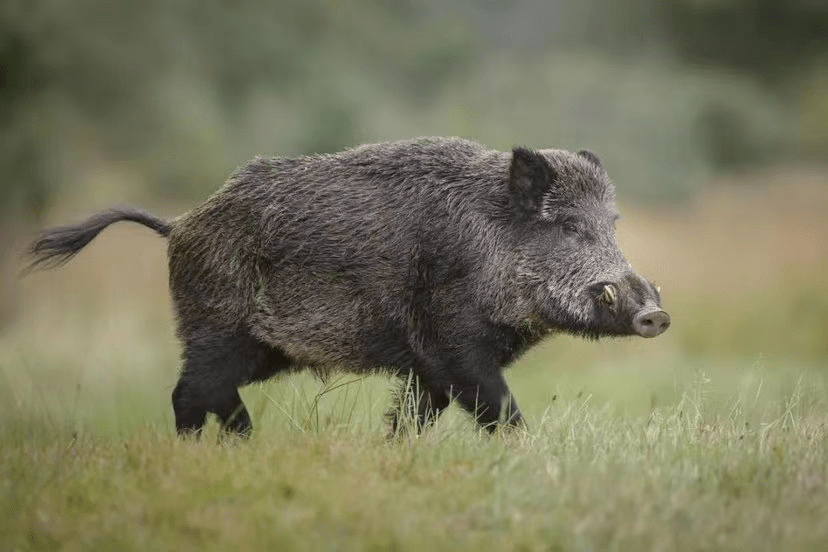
(783, 44)
(770, 39)
(167, 85)
(178, 91)
(23, 186)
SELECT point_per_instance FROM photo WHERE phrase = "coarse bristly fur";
(436, 259)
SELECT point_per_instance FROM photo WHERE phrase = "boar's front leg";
(487, 398)
(474, 374)
(477, 385)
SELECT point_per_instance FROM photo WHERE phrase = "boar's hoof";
(651, 322)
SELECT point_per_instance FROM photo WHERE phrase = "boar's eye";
(569, 228)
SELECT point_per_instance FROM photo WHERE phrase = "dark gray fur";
(437, 259)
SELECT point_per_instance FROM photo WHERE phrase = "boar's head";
(570, 272)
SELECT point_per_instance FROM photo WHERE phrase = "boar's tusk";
(608, 296)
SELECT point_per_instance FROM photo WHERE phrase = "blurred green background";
(176, 93)
(711, 116)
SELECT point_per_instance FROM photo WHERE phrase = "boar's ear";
(592, 158)
(530, 177)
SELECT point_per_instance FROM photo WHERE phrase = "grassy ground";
(711, 437)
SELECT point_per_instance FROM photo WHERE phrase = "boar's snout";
(651, 322)
(629, 306)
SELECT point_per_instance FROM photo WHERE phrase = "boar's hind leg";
(216, 363)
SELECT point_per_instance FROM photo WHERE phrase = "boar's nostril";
(651, 322)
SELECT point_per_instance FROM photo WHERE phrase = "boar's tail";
(56, 246)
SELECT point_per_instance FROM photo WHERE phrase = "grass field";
(711, 437)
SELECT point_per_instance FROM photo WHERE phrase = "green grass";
(679, 459)
(710, 437)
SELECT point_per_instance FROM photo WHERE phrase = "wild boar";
(436, 259)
